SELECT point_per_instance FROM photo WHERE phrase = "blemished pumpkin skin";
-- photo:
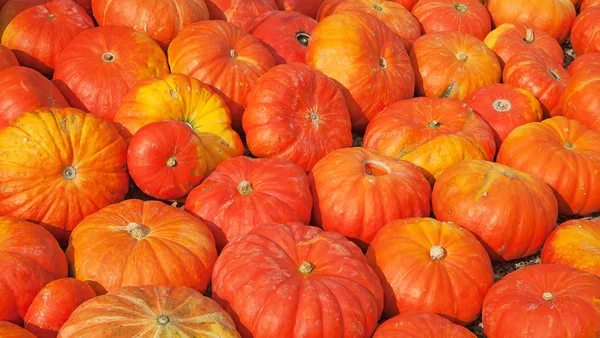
(547, 300)
(100, 65)
(53, 305)
(75, 164)
(510, 212)
(585, 34)
(231, 67)
(504, 108)
(182, 98)
(581, 101)
(562, 152)
(150, 311)
(292, 280)
(431, 266)
(142, 231)
(585, 4)
(431, 133)
(243, 192)
(39, 34)
(29, 258)
(298, 114)
(467, 16)
(421, 325)
(371, 191)
(23, 89)
(589, 60)
(10, 330)
(353, 45)
(239, 13)
(452, 64)
(7, 58)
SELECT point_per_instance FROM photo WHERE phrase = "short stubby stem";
(501, 106)
(172, 162)
(137, 231)
(303, 38)
(233, 53)
(434, 124)
(462, 57)
(568, 145)
(461, 8)
(377, 7)
(554, 74)
(437, 253)
(109, 57)
(382, 62)
(510, 175)
(162, 320)
(376, 168)
(244, 187)
(69, 173)
(529, 36)
(548, 296)
(306, 268)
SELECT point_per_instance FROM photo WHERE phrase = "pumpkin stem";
(69, 173)
(462, 57)
(109, 57)
(501, 106)
(382, 62)
(437, 253)
(244, 187)
(51, 16)
(461, 8)
(568, 145)
(374, 168)
(510, 175)
(314, 117)
(377, 7)
(137, 231)
(162, 320)
(554, 74)
(233, 53)
(172, 162)
(302, 38)
(548, 296)
(306, 268)
(529, 37)
(434, 124)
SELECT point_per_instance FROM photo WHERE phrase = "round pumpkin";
(53, 305)
(431, 266)
(75, 164)
(302, 109)
(546, 300)
(421, 325)
(306, 7)
(562, 152)
(291, 280)
(585, 34)
(7, 58)
(10, 330)
(354, 45)
(30, 259)
(356, 191)
(467, 16)
(100, 65)
(239, 13)
(23, 89)
(150, 311)
(585, 4)
(581, 101)
(184, 99)
(589, 60)
(452, 64)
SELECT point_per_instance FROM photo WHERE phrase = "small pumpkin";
(10, 330)
(588, 60)
(580, 100)
(239, 13)
(7, 58)
(467, 16)
(421, 325)
(585, 33)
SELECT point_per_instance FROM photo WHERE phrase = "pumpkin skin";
(467, 16)
(588, 60)
(101, 64)
(302, 110)
(150, 311)
(562, 152)
(53, 305)
(371, 191)
(239, 13)
(421, 325)
(23, 89)
(10, 330)
(580, 101)
(58, 182)
(585, 4)
(431, 266)
(142, 231)
(354, 45)
(329, 5)
(550, 300)
(431, 133)
(585, 34)
(30, 259)
(322, 275)
(7, 58)
(39, 34)
(306, 7)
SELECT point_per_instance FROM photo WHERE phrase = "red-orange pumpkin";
(239, 13)
(589, 60)
(306, 7)
(585, 4)
(585, 34)
(7, 58)
(295, 280)
(10, 330)
(581, 99)
(467, 16)
(421, 325)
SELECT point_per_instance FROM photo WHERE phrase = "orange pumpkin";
(565, 154)
(589, 60)
(585, 4)
(239, 13)
(10, 330)
(452, 64)
(7, 58)
(467, 16)
(150, 310)
(581, 101)
(329, 5)
(421, 325)
(431, 266)
(585, 34)
(354, 45)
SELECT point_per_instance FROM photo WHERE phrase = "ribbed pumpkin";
(589, 60)
(421, 325)
(585, 34)
(239, 13)
(581, 101)
(7, 58)
(467, 16)
(10, 330)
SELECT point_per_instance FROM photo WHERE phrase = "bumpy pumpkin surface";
(467, 16)
(421, 325)
(589, 60)
(585, 33)
(581, 101)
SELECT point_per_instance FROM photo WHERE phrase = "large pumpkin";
(585, 34)
(10, 330)
(244, 192)
(431, 266)
(306, 7)
(421, 325)
(452, 64)
(353, 45)
(239, 12)
(562, 152)
(295, 280)
(75, 164)
(546, 300)
(7, 58)
(150, 311)
(581, 101)
(184, 99)
(356, 191)
(298, 114)
(30, 259)
(101, 64)
(589, 60)
(232, 67)
(467, 16)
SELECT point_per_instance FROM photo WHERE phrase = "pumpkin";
(540, 74)
(7, 58)
(585, 4)
(302, 109)
(580, 101)
(467, 16)
(562, 152)
(53, 305)
(101, 64)
(547, 300)
(329, 5)
(10, 330)
(369, 191)
(231, 68)
(421, 325)
(585, 34)
(39, 34)
(554, 17)
(353, 45)
(306, 7)
(431, 133)
(239, 13)
(184, 99)
(589, 60)
(243, 192)
(513, 38)
(31, 258)
(150, 311)
(431, 266)
(504, 108)
(284, 33)
(23, 89)
(291, 280)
